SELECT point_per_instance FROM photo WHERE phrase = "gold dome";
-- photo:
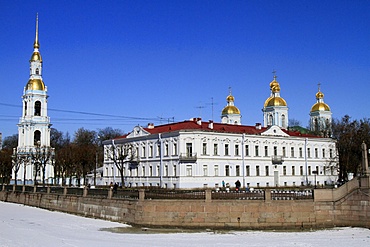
(35, 84)
(230, 98)
(319, 95)
(275, 101)
(230, 109)
(36, 56)
(274, 85)
(320, 106)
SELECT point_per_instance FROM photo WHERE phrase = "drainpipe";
(160, 160)
(305, 159)
(114, 154)
(243, 137)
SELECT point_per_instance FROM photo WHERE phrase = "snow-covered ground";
(27, 226)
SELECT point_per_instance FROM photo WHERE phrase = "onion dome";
(274, 85)
(275, 99)
(35, 84)
(230, 108)
(320, 105)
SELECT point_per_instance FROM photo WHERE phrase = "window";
(150, 151)
(317, 170)
(189, 149)
(37, 108)
(166, 149)
(284, 170)
(331, 153)
(316, 153)
(25, 108)
(237, 171)
(292, 152)
(247, 171)
(227, 170)
(300, 152)
(257, 171)
(188, 170)
(143, 171)
(36, 137)
(165, 171)
(216, 170)
(151, 171)
(174, 171)
(323, 152)
(205, 170)
(158, 149)
(309, 170)
(284, 152)
(246, 150)
(293, 170)
(266, 151)
(275, 150)
(308, 152)
(256, 151)
(158, 171)
(236, 150)
(301, 170)
(175, 149)
(204, 148)
(226, 149)
(215, 149)
(267, 171)
(143, 153)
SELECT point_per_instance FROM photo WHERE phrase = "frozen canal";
(26, 226)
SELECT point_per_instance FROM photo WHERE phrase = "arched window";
(270, 120)
(37, 108)
(283, 121)
(37, 71)
(36, 137)
(25, 108)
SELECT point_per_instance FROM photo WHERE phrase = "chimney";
(258, 126)
(210, 124)
(150, 125)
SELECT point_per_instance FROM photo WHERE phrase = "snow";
(27, 226)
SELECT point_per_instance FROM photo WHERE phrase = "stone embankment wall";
(348, 205)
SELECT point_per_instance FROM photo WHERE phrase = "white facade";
(34, 124)
(196, 154)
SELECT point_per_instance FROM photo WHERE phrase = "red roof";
(217, 127)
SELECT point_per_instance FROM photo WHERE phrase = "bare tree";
(350, 135)
(123, 157)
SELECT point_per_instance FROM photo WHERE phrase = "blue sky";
(124, 63)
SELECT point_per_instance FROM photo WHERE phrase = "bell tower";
(275, 109)
(34, 124)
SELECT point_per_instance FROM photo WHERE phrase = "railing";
(126, 194)
(175, 194)
(166, 194)
(188, 157)
(57, 190)
(238, 195)
(291, 195)
(277, 160)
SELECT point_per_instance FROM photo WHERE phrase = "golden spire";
(36, 45)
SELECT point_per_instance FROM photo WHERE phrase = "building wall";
(236, 158)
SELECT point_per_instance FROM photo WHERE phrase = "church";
(34, 156)
(206, 154)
